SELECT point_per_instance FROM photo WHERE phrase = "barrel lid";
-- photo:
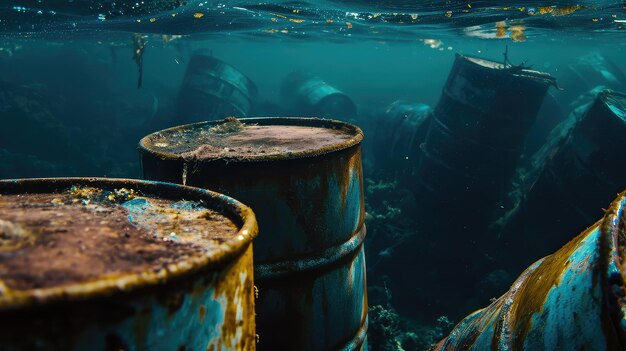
(252, 139)
(76, 238)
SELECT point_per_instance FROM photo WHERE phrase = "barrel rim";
(499, 67)
(145, 146)
(242, 215)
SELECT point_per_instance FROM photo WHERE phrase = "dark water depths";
(70, 106)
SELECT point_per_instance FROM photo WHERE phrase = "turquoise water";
(70, 105)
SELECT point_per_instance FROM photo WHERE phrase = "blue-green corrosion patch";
(570, 300)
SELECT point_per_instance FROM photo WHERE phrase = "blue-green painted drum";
(213, 89)
(307, 95)
(303, 178)
(570, 300)
(103, 264)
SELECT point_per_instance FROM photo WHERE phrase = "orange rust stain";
(237, 293)
(202, 313)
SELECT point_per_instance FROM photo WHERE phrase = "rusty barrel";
(104, 264)
(585, 172)
(399, 133)
(307, 95)
(303, 178)
(478, 131)
(570, 300)
(213, 89)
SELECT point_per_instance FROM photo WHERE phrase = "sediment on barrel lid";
(86, 240)
(253, 139)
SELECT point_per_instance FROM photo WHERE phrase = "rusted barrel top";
(255, 140)
(67, 239)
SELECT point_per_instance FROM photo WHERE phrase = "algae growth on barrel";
(95, 264)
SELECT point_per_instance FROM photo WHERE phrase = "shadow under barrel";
(303, 177)
(118, 264)
(570, 300)
(585, 170)
(213, 89)
(307, 95)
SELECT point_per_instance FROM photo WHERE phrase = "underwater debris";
(139, 46)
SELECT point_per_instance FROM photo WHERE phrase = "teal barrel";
(570, 300)
(399, 133)
(308, 95)
(105, 264)
(303, 178)
(213, 89)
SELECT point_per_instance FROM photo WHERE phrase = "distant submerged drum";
(103, 264)
(303, 177)
(478, 131)
(586, 170)
(570, 300)
(399, 133)
(307, 95)
(213, 89)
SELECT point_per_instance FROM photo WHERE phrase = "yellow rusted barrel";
(102, 264)
(570, 300)
(303, 178)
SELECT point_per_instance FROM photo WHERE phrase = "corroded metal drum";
(303, 177)
(213, 89)
(103, 264)
(580, 173)
(399, 133)
(570, 300)
(307, 95)
(465, 165)
(478, 131)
